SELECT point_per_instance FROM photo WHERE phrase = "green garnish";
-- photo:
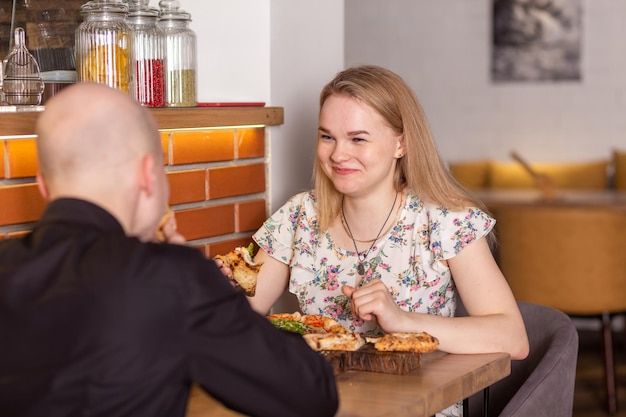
(290, 326)
(251, 250)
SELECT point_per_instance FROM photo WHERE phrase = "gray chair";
(543, 383)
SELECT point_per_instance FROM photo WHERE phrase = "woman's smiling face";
(356, 148)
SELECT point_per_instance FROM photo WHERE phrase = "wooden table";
(441, 380)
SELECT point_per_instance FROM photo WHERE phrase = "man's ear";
(146, 174)
(42, 186)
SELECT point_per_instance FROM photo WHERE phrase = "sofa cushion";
(471, 174)
(565, 175)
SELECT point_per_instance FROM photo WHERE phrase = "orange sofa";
(481, 174)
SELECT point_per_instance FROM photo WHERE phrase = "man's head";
(98, 144)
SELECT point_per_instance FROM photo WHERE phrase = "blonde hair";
(420, 170)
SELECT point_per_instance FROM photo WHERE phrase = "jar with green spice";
(180, 51)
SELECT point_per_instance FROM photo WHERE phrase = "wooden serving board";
(369, 359)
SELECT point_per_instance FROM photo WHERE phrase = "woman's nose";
(339, 153)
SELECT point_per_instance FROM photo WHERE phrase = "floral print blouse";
(407, 259)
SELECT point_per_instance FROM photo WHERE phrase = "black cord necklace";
(361, 267)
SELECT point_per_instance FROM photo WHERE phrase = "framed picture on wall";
(536, 40)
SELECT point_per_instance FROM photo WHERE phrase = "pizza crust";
(334, 341)
(406, 342)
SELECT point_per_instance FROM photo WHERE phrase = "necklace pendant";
(361, 269)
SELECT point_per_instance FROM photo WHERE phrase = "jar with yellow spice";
(103, 44)
(180, 50)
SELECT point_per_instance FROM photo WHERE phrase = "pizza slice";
(306, 324)
(325, 323)
(405, 342)
(244, 270)
(334, 341)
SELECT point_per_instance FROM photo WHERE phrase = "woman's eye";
(326, 137)
(358, 140)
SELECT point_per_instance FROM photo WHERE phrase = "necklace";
(361, 267)
(345, 227)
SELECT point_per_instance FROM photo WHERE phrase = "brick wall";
(217, 180)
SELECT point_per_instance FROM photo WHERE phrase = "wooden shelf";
(179, 118)
(23, 122)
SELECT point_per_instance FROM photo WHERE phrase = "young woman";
(387, 237)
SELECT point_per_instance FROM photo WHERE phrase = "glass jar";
(148, 55)
(180, 50)
(22, 84)
(103, 44)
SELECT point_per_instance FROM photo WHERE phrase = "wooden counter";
(22, 122)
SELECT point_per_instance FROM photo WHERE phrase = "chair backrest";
(543, 383)
(566, 257)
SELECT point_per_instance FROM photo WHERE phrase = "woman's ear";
(42, 186)
(400, 148)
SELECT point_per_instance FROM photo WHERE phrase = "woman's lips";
(344, 171)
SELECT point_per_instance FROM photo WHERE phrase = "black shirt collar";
(81, 212)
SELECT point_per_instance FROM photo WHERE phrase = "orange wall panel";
(250, 215)
(187, 186)
(203, 146)
(2, 143)
(202, 165)
(165, 136)
(198, 223)
(250, 143)
(236, 180)
(22, 158)
(20, 204)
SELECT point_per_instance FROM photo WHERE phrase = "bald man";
(98, 320)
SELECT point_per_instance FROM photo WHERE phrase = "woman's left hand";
(373, 301)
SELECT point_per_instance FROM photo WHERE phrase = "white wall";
(280, 52)
(442, 48)
(233, 49)
(307, 51)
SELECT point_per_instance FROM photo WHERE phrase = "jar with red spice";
(148, 54)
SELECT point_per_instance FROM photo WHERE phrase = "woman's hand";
(373, 301)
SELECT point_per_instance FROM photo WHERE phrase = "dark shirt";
(95, 323)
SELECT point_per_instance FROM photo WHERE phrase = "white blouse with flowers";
(407, 259)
